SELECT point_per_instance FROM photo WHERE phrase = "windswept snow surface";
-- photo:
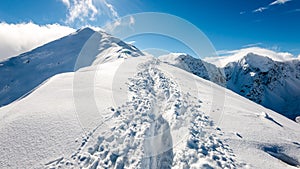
(149, 115)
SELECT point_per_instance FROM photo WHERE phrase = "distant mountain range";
(258, 77)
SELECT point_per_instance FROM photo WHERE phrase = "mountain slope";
(21, 74)
(117, 108)
(149, 115)
(273, 84)
(196, 66)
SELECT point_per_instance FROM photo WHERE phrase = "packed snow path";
(158, 127)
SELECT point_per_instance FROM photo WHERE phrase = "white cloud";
(252, 45)
(279, 2)
(121, 24)
(227, 56)
(80, 9)
(261, 9)
(84, 11)
(223, 52)
(111, 8)
(19, 38)
(276, 2)
(66, 2)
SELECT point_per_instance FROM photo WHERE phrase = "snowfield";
(127, 110)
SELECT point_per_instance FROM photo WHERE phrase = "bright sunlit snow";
(131, 84)
(145, 112)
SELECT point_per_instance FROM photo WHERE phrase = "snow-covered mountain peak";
(261, 63)
(237, 55)
(85, 29)
(82, 48)
(273, 84)
(103, 47)
(84, 32)
(276, 56)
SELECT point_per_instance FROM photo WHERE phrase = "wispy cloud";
(252, 45)
(224, 52)
(260, 9)
(276, 2)
(111, 8)
(80, 9)
(86, 11)
(227, 56)
(279, 2)
(120, 24)
(17, 38)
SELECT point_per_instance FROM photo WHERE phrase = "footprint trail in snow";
(159, 127)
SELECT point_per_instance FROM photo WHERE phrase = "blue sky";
(230, 24)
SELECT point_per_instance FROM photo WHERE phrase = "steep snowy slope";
(149, 115)
(21, 74)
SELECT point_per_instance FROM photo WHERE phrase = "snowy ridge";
(63, 55)
(143, 131)
(196, 66)
(102, 47)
